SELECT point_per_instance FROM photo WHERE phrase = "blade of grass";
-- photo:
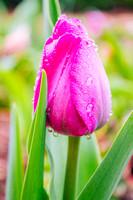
(20, 93)
(51, 11)
(15, 166)
(30, 135)
(105, 179)
(90, 159)
(33, 182)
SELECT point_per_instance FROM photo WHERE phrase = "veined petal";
(79, 97)
(90, 87)
(73, 26)
(62, 115)
(55, 56)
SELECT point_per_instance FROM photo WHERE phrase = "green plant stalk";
(71, 176)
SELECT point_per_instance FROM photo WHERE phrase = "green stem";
(71, 177)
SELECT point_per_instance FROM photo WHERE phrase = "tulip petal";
(90, 87)
(73, 26)
(57, 62)
(55, 55)
(79, 98)
(63, 116)
(60, 110)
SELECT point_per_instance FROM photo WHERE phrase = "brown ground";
(4, 138)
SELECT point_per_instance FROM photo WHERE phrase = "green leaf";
(89, 160)
(57, 152)
(52, 168)
(119, 59)
(51, 11)
(54, 10)
(30, 135)
(33, 182)
(57, 148)
(15, 165)
(21, 94)
(105, 179)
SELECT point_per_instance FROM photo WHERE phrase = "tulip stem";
(71, 176)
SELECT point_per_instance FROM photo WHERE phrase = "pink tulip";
(79, 97)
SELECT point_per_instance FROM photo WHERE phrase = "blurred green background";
(22, 37)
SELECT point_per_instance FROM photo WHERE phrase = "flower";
(79, 97)
(16, 41)
(97, 21)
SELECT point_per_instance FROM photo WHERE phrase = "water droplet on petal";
(37, 78)
(89, 81)
(46, 62)
(80, 51)
(93, 42)
(55, 134)
(48, 110)
(96, 48)
(89, 108)
(50, 130)
(111, 113)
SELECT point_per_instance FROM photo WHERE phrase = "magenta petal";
(73, 26)
(53, 62)
(79, 98)
(90, 90)
(62, 115)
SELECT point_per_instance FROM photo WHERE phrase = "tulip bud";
(79, 97)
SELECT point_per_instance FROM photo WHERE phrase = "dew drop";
(37, 78)
(55, 134)
(48, 110)
(80, 51)
(93, 42)
(89, 107)
(96, 48)
(50, 130)
(46, 60)
(89, 81)
(111, 113)
(88, 137)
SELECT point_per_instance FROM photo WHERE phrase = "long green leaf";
(30, 135)
(51, 11)
(54, 9)
(105, 179)
(15, 166)
(21, 94)
(89, 160)
(57, 152)
(33, 182)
